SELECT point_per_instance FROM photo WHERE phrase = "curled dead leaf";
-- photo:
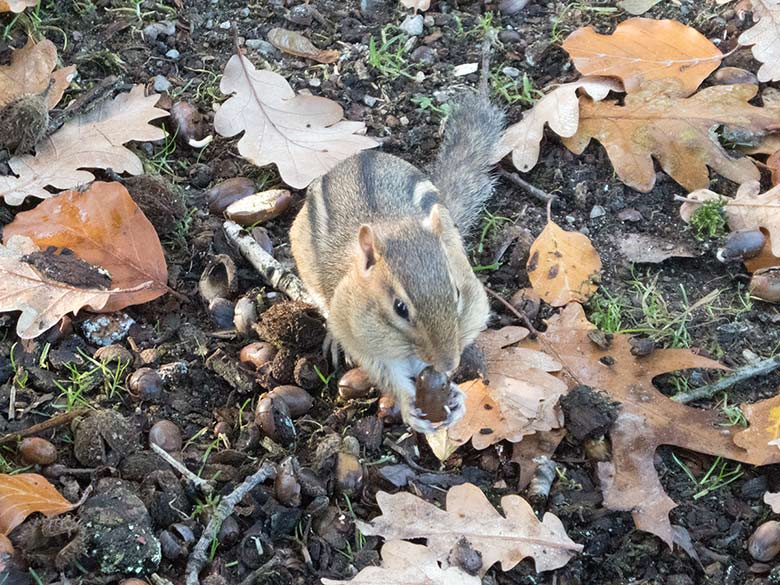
(296, 44)
(30, 72)
(764, 38)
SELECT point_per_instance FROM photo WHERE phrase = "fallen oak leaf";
(637, 7)
(296, 44)
(24, 494)
(104, 227)
(560, 109)
(94, 140)
(410, 564)
(304, 135)
(506, 539)
(656, 123)
(765, 38)
(421, 5)
(644, 49)
(563, 266)
(647, 418)
(520, 399)
(772, 499)
(30, 72)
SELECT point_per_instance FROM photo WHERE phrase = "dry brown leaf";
(417, 5)
(104, 227)
(92, 141)
(507, 539)
(650, 249)
(408, 564)
(25, 493)
(765, 38)
(678, 132)
(642, 50)
(563, 266)
(304, 135)
(647, 418)
(520, 399)
(30, 71)
(560, 109)
(772, 499)
(294, 43)
(42, 300)
(16, 5)
(526, 452)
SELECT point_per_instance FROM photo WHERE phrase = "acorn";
(245, 315)
(220, 196)
(733, 76)
(433, 393)
(166, 435)
(349, 473)
(287, 489)
(742, 245)
(191, 127)
(145, 384)
(765, 285)
(273, 417)
(764, 544)
(257, 353)
(37, 451)
(259, 207)
(298, 401)
(354, 384)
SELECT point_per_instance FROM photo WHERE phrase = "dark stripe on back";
(368, 180)
(325, 194)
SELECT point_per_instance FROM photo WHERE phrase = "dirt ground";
(315, 537)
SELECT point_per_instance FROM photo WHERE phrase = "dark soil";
(203, 390)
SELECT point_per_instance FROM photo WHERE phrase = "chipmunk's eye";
(401, 309)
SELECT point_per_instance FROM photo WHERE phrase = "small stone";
(511, 72)
(412, 25)
(630, 214)
(225, 25)
(173, 54)
(509, 36)
(429, 20)
(76, 36)
(154, 30)
(260, 45)
(570, 219)
(314, 82)
(597, 211)
(424, 55)
(244, 12)
(370, 100)
(107, 329)
(161, 84)
(465, 69)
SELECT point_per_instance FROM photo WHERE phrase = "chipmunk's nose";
(445, 364)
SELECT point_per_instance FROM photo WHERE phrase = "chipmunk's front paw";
(456, 406)
(416, 420)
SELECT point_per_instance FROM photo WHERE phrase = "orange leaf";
(643, 49)
(24, 494)
(104, 227)
(562, 266)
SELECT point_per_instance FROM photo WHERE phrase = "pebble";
(511, 72)
(154, 30)
(225, 25)
(161, 84)
(264, 47)
(314, 82)
(630, 214)
(597, 211)
(370, 100)
(465, 69)
(509, 36)
(173, 54)
(77, 36)
(412, 25)
(570, 219)
(424, 55)
(244, 12)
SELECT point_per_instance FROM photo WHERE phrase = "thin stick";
(202, 484)
(199, 556)
(535, 192)
(519, 314)
(727, 203)
(55, 421)
(85, 103)
(759, 368)
(269, 268)
(255, 575)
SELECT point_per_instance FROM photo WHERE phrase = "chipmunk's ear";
(367, 248)
(433, 222)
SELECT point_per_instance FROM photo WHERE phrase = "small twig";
(759, 368)
(269, 268)
(535, 192)
(203, 485)
(84, 103)
(55, 421)
(199, 556)
(406, 457)
(519, 314)
(484, 76)
(727, 203)
(254, 576)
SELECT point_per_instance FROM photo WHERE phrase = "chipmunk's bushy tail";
(462, 169)
(468, 152)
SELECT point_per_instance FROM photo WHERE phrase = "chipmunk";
(379, 247)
